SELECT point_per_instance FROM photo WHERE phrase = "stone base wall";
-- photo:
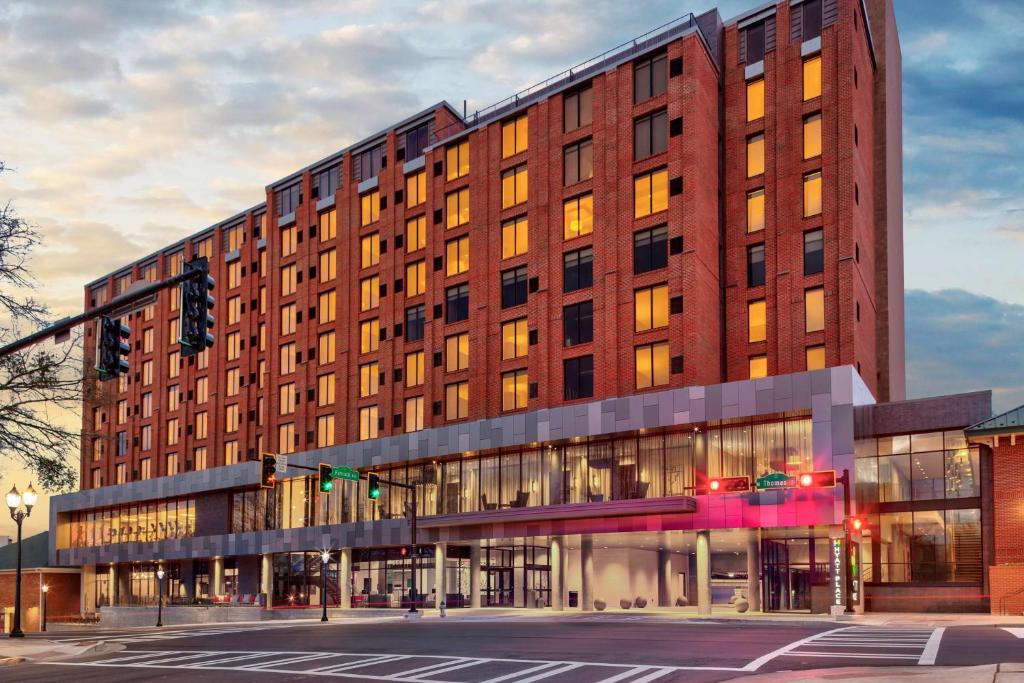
(1007, 588)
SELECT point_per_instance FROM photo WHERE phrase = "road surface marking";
(506, 677)
(652, 676)
(556, 671)
(277, 663)
(385, 659)
(765, 658)
(931, 650)
(439, 668)
(625, 674)
(854, 642)
(1016, 632)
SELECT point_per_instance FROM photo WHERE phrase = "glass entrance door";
(787, 574)
(500, 587)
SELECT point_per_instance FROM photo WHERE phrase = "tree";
(40, 385)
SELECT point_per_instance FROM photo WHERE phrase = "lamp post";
(14, 502)
(160, 596)
(46, 589)
(325, 557)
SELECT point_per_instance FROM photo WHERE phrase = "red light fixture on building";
(817, 480)
(728, 484)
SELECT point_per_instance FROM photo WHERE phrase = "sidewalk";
(989, 673)
(18, 651)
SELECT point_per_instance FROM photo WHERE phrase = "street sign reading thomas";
(345, 473)
(774, 480)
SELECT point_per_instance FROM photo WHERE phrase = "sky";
(133, 124)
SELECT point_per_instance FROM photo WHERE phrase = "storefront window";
(929, 546)
(141, 522)
(930, 466)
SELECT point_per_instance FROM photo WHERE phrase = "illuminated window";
(514, 136)
(328, 225)
(650, 193)
(650, 77)
(147, 341)
(234, 274)
(289, 237)
(325, 348)
(173, 397)
(812, 136)
(757, 321)
(368, 423)
(234, 343)
(202, 425)
(122, 472)
(286, 438)
(416, 234)
(457, 207)
(457, 256)
(327, 308)
(755, 100)
(174, 337)
(514, 339)
(755, 155)
(457, 352)
(755, 210)
(234, 314)
(288, 319)
(147, 373)
(416, 189)
(204, 248)
(414, 414)
(514, 237)
(324, 431)
(263, 300)
(147, 405)
(200, 458)
(812, 78)
(234, 381)
(369, 250)
(758, 367)
(172, 431)
(173, 364)
(814, 309)
(369, 379)
(235, 236)
(415, 278)
(578, 216)
(812, 194)
(289, 276)
(286, 403)
(369, 293)
(414, 369)
(231, 418)
(369, 336)
(328, 265)
(513, 390)
(288, 358)
(651, 307)
(514, 186)
(456, 401)
(172, 464)
(815, 357)
(202, 390)
(652, 365)
(261, 374)
(369, 208)
(457, 160)
(122, 411)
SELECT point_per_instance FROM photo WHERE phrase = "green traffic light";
(375, 493)
(326, 486)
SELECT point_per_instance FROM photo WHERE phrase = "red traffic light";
(728, 484)
(823, 479)
(403, 551)
(856, 524)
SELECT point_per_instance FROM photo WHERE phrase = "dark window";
(457, 299)
(578, 323)
(579, 162)
(368, 164)
(650, 77)
(755, 43)
(755, 265)
(415, 316)
(814, 252)
(650, 249)
(650, 135)
(579, 377)
(579, 269)
(326, 182)
(513, 287)
(578, 108)
(416, 141)
(287, 199)
(810, 13)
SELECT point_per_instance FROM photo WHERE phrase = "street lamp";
(14, 502)
(325, 557)
(46, 589)
(160, 596)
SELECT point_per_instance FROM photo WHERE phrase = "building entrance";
(517, 575)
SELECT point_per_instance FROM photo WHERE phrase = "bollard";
(442, 608)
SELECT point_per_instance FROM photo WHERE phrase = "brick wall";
(62, 600)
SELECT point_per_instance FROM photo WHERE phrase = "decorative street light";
(14, 502)
(160, 596)
(325, 558)
(46, 589)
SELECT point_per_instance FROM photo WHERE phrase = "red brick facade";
(709, 276)
(1006, 575)
(62, 598)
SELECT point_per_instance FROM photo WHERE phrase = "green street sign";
(774, 480)
(345, 473)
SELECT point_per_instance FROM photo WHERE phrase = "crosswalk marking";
(1015, 632)
(855, 642)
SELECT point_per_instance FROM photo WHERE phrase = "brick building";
(561, 318)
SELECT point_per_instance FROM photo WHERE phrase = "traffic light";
(817, 480)
(856, 524)
(372, 486)
(326, 478)
(728, 484)
(268, 470)
(196, 306)
(111, 347)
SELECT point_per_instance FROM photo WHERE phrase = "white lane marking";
(652, 676)
(356, 664)
(143, 655)
(557, 671)
(931, 650)
(765, 658)
(278, 663)
(1016, 632)
(847, 655)
(179, 658)
(435, 668)
(625, 674)
(359, 665)
(437, 672)
(839, 643)
(223, 660)
(506, 677)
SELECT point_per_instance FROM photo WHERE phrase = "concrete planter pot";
(600, 605)
(625, 604)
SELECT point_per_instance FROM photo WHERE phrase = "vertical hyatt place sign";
(837, 577)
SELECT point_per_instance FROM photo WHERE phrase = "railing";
(582, 70)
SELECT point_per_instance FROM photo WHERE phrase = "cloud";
(958, 341)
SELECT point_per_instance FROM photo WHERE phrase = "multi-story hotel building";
(558, 318)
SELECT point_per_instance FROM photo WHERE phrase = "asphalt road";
(479, 649)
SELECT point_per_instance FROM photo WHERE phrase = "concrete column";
(440, 583)
(87, 589)
(474, 574)
(267, 578)
(112, 585)
(345, 578)
(704, 573)
(187, 578)
(557, 559)
(754, 571)
(664, 578)
(217, 580)
(587, 572)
